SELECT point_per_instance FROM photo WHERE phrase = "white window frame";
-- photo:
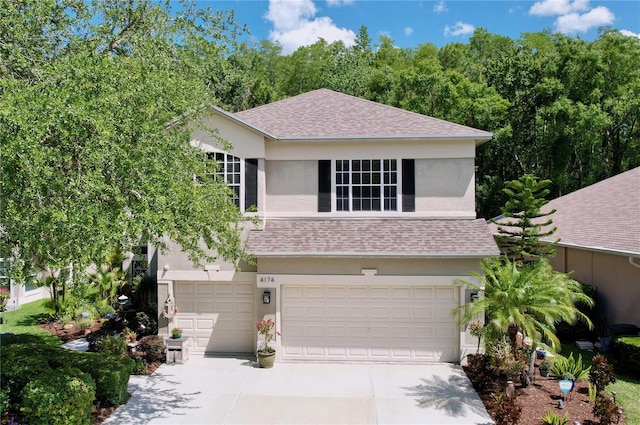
(394, 174)
(223, 173)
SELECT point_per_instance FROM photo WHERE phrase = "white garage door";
(369, 323)
(218, 316)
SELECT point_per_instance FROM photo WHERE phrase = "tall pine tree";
(523, 223)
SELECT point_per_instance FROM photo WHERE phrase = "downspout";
(633, 263)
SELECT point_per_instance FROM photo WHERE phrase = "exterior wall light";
(266, 297)
(474, 296)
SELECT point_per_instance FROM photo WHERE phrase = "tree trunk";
(512, 331)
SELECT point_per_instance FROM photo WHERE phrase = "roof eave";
(363, 138)
(594, 248)
(376, 255)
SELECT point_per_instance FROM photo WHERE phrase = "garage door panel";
(422, 293)
(358, 312)
(401, 293)
(184, 288)
(358, 331)
(369, 323)
(224, 288)
(336, 331)
(315, 292)
(204, 289)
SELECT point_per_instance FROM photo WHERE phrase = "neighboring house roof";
(373, 238)
(328, 115)
(604, 216)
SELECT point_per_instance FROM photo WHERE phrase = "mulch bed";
(543, 395)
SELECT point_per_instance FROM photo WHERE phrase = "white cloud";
(336, 3)
(408, 31)
(440, 7)
(460, 28)
(629, 33)
(573, 15)
(575, 22)
(295, 24)
(558, 7)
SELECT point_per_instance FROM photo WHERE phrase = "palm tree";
(530, 299)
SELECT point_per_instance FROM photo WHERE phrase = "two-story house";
(367, 218)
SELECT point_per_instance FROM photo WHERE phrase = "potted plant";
(266, 354)
(176, 333)
(129, 335)
(544, 368)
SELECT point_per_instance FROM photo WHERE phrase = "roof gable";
(325, 114)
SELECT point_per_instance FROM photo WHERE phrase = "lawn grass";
(23, 321)
(627, 394)
(627, 389)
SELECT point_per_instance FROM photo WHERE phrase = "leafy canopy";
(88, 161)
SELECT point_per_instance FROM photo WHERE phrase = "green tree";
(88, 161)
(529, 299)
(521, 227)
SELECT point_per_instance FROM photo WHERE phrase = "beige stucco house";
(599, 231)
(367, 218)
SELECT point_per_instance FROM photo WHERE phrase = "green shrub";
(552, 418)
(17, 370)
(625, 355)
(111, 344)
(153, 347)
(601, 373)
(104, 307)
(139, 366)
(110, 374)
(4, 398)
(62, 396)
(571, 367)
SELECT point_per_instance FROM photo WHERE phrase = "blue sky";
(412, 22)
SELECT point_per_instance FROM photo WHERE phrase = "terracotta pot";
(266, 360)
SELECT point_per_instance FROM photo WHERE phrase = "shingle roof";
(325, 114)
(603, 216)
(373, 237)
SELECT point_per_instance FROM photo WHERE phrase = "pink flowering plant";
(266, 329)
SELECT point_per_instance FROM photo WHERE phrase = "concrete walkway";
(209, 390)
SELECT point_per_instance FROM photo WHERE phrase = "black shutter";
(250, 183)
(324, 185)
(408, 185)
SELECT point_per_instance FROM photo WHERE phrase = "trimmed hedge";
(62, 396)
(625, 355)
(110, 373)
(23, 363)
(16, 371)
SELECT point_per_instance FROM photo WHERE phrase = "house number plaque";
(267, 279)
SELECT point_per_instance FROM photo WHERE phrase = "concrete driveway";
(214, 390)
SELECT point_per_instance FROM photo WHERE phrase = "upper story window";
(229, 172)
(240, 175)
(367, 185)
